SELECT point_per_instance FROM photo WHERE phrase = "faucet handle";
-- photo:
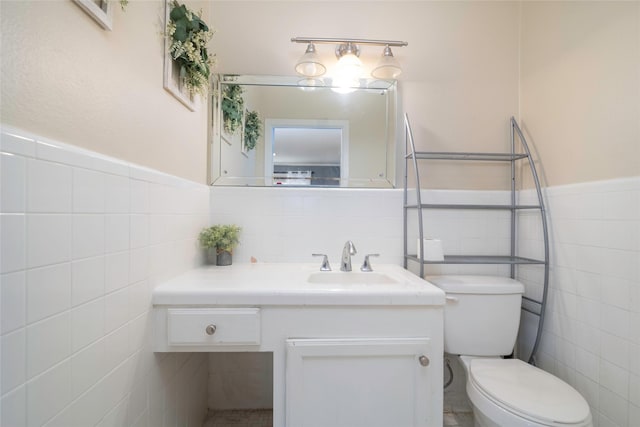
(325, 262)
(366, 265)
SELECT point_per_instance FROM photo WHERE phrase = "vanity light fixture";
(309, 64)
(349, 67)
(387, 67)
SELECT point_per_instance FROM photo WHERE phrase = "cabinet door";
(358, 382)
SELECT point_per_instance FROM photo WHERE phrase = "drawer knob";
(424, 360)
(210, 329)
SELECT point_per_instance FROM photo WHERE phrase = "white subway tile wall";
(591, 336)
(289, 224)
(84, 239)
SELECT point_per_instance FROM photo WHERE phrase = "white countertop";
(288, 284)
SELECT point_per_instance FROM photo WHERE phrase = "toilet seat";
(528, 392)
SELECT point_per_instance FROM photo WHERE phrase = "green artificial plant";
(188, 37)
(221, 237)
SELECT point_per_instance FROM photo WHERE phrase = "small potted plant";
(219, 241)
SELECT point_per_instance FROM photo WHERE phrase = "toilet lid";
(529, 391)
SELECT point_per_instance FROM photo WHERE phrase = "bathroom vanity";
(349, 348)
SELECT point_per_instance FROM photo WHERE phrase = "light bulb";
(347, 74)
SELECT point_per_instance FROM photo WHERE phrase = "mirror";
(284, 131)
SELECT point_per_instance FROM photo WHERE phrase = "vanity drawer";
(213, 326)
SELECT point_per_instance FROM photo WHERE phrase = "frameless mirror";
(284, 131)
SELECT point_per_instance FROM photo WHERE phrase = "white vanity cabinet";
(213, 326)
(358, 382)
(342, 356)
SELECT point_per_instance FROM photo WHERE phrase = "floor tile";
(240, 418)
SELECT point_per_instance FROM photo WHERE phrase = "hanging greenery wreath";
(188, 37)
(252, 129)
(232, 106)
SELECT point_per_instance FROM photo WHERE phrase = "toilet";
(481, 320)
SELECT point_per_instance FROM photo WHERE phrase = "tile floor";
(457, 410)
(240, 418)
(458, 419)
(264, 418)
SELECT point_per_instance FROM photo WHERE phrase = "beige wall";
(580, 88)
(460, 80)
(570, 70)
(64, 77)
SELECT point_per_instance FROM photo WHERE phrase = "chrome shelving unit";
(413, 156)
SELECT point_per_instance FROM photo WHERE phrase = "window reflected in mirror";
(307, 155)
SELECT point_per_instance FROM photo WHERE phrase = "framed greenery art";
(187, 63)
(100, 10)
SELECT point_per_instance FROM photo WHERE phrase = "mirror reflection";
(280, 131)
(307, 155)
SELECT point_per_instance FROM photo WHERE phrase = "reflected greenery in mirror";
(252, 129)
(232, 106)
(270, 131)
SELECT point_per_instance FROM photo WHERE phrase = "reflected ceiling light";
(310, 84)
(349, 67)
(387, 67)
(309, 64)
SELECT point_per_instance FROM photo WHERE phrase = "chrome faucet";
(348, 250)
(325, 262)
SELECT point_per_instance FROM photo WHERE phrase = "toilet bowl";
(512, 393)
(481, 319)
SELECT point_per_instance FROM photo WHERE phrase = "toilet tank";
(481, 315)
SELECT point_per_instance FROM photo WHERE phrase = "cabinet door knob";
(210, 329)
(424, 360)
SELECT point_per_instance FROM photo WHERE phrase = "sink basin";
(350, 277)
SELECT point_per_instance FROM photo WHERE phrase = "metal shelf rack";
(411, 155)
